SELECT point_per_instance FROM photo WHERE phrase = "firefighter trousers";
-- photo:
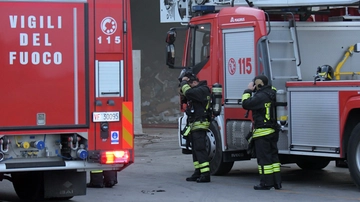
(268, 159)
(199, 153)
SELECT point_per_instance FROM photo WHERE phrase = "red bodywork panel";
(49, 54)
(109, 26)
(43, 65)
(343, 83)
(245, 17)
(348, 100)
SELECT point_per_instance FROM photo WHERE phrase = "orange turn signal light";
(113, 157)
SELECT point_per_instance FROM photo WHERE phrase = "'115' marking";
(245, 65)
(109, 40)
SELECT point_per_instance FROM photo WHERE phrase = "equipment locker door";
(239, 62)
(44, 74)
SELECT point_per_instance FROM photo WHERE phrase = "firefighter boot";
(96, 180)
(116, 181)
(262, 187)
(277, 186)
(194, 176)
(277, 180)
(204, 177)
(110, 178)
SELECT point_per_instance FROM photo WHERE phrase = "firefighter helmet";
(263, 78)
(188, 73)
(324, 73)
(191, 76)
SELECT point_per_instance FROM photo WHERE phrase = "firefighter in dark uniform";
(100, 178)
(265, 133)
(197, 95)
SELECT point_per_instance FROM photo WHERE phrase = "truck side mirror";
(170, 55)
(170, 37)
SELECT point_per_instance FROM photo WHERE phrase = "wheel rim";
(210, 144)
(357, 157)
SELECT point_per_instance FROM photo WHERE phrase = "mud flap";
(110, 176)
(62, 184)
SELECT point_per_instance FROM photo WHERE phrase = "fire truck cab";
(309, 50)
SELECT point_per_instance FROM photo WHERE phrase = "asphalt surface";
(160, 169)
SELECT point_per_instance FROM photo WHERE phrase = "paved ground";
(160, 169)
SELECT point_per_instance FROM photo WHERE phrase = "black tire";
(29, 185)
(353, 155)
(312, 163)
(217, 166)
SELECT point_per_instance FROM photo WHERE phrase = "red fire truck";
(288, 41)
(67, 94)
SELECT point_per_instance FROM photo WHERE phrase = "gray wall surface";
(137, 92)
(158, 83)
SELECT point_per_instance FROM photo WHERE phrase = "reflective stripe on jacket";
(261, 106)
(197, 110)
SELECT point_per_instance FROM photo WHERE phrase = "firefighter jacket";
(262, 108)
(198, 104)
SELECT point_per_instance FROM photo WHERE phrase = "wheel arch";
(217, 165)
(219, 120)
(353, 155)
(352, 120)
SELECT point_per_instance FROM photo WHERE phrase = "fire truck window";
(205, 49)
(200, 44)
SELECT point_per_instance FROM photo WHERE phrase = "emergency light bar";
(113, 157)
(203, 8)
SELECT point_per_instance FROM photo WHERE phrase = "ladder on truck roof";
(296, 60)
(182, 10)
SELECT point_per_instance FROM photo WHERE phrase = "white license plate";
(106, 116)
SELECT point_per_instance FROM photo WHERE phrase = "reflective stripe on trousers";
(269, 169)
(96, 171)
(200, 125)
(259, 132)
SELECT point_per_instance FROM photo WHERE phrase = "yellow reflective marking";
(127, 121)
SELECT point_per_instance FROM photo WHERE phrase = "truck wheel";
(353, 155)
(217, 166)
(29, 185)
(312, 163)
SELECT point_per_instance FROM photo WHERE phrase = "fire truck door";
(239, 62)
(109, 84)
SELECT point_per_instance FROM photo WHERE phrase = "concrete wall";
(137, 92)
(158, 83)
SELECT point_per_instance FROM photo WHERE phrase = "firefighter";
(265, 133)
(100, 179)
(197, 95)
